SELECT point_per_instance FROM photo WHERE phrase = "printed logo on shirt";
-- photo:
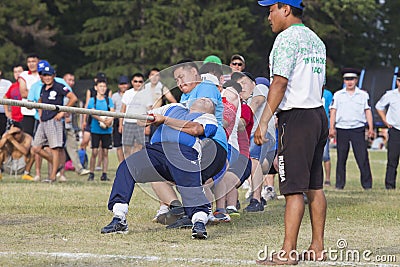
(52, 95)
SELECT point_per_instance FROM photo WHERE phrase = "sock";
(26, 172)
(120, 210)
(200, 217)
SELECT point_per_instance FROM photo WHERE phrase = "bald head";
(203, 105)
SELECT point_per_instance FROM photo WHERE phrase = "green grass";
(39, 219)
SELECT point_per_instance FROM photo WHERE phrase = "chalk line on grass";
(78, 256)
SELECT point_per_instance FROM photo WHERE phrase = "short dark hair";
(137, 74)
(101, 80)
(153, 69)
(297, 12)
(32, 56)
(186, 63)
(212, 68)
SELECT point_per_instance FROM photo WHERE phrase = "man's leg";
(317, 208)
(294, 212)
(343, 147)
(393, 154)
(55, 152)
(361, 154)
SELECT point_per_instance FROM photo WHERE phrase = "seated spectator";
(15, 148)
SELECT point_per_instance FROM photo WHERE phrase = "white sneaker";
(36, 178)
(163, 210)
(268, 193)
(62, 178)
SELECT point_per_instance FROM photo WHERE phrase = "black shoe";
(91, 177)
(176, 211)
(104, 177)
(183, 222)
(117, 225)
(199, 231)
(254, 206)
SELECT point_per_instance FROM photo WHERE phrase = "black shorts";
(116, 136)
(213, 159)
(28, 125)
(302, 137)
(104, 138)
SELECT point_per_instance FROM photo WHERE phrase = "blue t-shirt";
(327, 98)
(100, 105)
(209, 90)
(54, 96)
(34, 92)
(164, 133)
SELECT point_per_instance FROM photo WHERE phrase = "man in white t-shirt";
(297, 70)
(4, 85)
(26, 80)
(137, 101)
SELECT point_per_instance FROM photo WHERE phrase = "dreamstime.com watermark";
(341, 254)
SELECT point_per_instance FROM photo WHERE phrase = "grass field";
(59, 225)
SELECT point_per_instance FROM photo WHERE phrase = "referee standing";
(349, 113)
(391, 119)
(297, 69)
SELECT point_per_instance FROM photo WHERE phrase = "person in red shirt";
(13, 113)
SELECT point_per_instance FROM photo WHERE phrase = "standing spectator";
(50, 129)
(123, 85)
(327, 100)
(87, 119)
(71, 144)
(159, 91)
(14, 112)
(138, 101)
(237, 64)
(349, 113)
(391, 118)
(26, 80)
(296, 94)
(4, 85)
(100, 128)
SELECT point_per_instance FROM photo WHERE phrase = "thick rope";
(58, 108)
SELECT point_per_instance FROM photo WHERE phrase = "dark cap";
(398, 75)
(237, 75)
(123, 79)
(350, 73)
(101, 75)
(48, 71)
(233, 84)
(237, 56)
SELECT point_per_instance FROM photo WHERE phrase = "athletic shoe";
(254, 206)
(27, 177)
(175, 212)
(232, 211)
(327, 183)
(104, 177)
(117, 225)
(221, 215)
(268, 193)
(162, 210)
(183, 222)
(91, 177)
(199, 231)
(48, 180)
(83, 171)
(62, 178)
(37, 178)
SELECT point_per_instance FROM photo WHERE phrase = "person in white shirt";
(349, 113)
(391, 118)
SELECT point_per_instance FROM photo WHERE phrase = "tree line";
(123, 37)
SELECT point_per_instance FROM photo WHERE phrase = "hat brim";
(350, 75)
(267, 2)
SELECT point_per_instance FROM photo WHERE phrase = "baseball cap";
(293, 3)
(350, 73)
(101, 75)
(398, 75)
(213, 59)
(237, 56)
(123, 79)
(237, 75)
(42, 64)
(48, 71)
(263, 80)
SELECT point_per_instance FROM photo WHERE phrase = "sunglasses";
(136, 81)
(237, 64)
